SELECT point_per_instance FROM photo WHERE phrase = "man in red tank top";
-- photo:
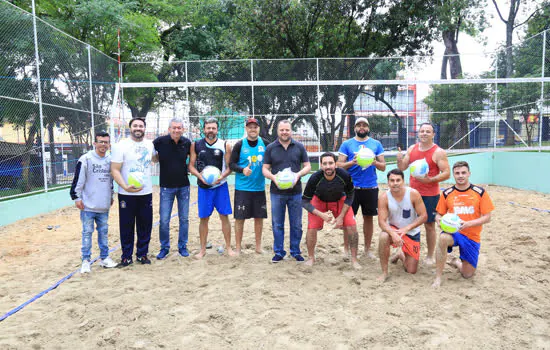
(428, 186)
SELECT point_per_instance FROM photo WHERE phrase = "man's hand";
(247, 171)
(424, 179)
(79, 204)
(327, 217)
(133, 189)
(399, 155)
(339, 222)
(397, 241)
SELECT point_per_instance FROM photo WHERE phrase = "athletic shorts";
(469, 250)
(211, 198)
(367, 199)
(249, 205)
(431, 203)
(315, 222)
(411, 246)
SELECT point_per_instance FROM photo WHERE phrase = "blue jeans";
(279, 203)
(167, 196)
(101, 219)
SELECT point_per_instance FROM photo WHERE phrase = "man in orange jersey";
(474, 206)
(428, 186)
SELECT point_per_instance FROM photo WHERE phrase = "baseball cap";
(252, 120)
(362, 120)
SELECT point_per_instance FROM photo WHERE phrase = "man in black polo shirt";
(281, 154)
(172, 152)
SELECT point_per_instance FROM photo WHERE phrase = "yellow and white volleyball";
(419, 168)
(136, 179)
(365, 157)
(450, 223)
(211, 174)
(285, 179)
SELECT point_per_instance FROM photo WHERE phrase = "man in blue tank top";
(211, 151)
(247, 158)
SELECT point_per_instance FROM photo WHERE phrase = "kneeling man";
(327, 198)
(401, 211)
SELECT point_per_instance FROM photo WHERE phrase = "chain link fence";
(50, 110)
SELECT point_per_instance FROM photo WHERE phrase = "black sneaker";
(143, 260)
(299, 258)
(125, 262)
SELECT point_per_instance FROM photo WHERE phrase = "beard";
(138, 134)
(362, 134)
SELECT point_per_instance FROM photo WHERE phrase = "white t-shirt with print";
(134, 156)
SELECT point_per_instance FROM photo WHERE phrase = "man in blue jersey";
(212, 151)
(247, 158)
(365, 180)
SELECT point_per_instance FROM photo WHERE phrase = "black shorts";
(249, 205)
(367, 199)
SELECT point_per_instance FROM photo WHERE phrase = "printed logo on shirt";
(123, 204)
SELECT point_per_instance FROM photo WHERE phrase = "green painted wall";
(522, 170)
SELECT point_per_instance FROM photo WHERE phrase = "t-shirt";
(362, 178)
(280, 158)
(210, 154)
(173, 161)
(134, 156)
(468, 204)
(329, 190)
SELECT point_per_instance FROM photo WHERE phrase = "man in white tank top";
(401, 211)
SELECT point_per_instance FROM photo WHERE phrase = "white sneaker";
(85, 267)
(108, 263)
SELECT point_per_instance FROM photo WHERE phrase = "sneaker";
(276, 259)
(299, 258)
(208, 245)
(85, 267)
(162, 254)
(125, 262)
(143, 260)
(184, 252)
(108, 263)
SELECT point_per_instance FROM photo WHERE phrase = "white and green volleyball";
(450, 223)
(365, 157)
(211, 174)
(285, 179)
(419, 168)
(136, 179)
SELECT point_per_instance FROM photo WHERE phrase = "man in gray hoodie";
(92, 191)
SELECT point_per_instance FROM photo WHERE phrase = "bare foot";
(382, 278)
(230, 252)
(355, 264)
(437, 283)
(395, 258)
(260, 251)
(237, 252)
(455, 262)
(200, 255)
(309, 262)
(429, 261)
(369, 254)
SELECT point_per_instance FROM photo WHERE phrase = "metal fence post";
(91, 90)
(252, 85)
(542, 88)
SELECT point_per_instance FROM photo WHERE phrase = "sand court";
(248, 303)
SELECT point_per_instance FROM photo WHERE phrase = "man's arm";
(117, 176)
(403, 160)
(443, 164)
(227, 159)
(383, 214)
(266, 171)
(483, 219)
(235, 156)
(192, 160)
(420, 209)
(343, 163)
(379, 162)
(77, 186)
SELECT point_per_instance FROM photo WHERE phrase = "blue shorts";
(469, 250)
(431, 203)
(211, 198)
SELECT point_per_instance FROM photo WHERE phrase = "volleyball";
(419, 168)
(365, 157)
(285, 179)
(450, 223)
(136, 179)
(211, 174)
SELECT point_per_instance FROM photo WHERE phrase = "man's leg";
(239, 228)
(144, 224)
(353, 239)
(206, 207)
(203, 232)
(127, 220)
(183, 215)
(431, 240)
(295, 221)
(445, 241)
(258, 227)
(311, 242)
(87, 219)
(368, 228)
(102, 223)
(384, 254)
(166, 202)
(278, 208)
(226, 229)
(465, 268)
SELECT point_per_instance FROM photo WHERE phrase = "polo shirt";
(173, 161)
(280, 158)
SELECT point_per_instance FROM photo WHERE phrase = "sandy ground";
(249, 303)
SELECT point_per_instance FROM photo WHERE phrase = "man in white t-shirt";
(135, 204)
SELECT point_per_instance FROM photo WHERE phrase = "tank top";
(431, 189)
(213, 155)
(402, 213)
(253, 156)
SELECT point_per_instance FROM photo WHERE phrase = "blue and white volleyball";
(419, 168)
(365, 157)
(136, 179)
(285, 179)
(450, 223)
(211, 174)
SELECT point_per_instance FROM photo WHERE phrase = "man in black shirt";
(327, 198)
(172, 151)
